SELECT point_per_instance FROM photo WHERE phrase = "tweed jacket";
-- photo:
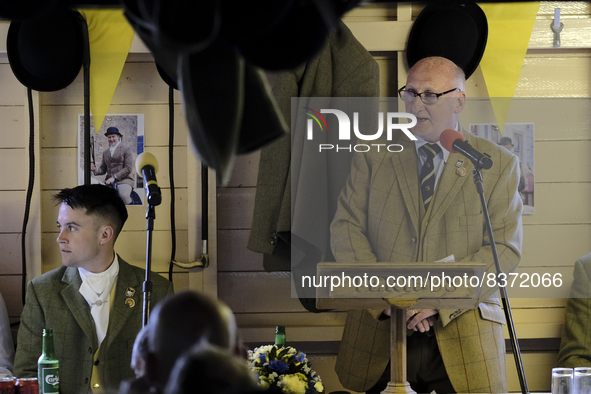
(575, 347)
(343, 68)
(120, 165)
(53, 301)
(377, 220)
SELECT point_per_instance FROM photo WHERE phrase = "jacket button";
(414, 240)
(90, 350)
(86, 381)
(96, 362)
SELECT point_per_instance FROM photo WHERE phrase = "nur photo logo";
(348, 130)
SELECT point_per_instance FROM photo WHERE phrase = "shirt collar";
(113, 270)
(112, 148)
(420, 142)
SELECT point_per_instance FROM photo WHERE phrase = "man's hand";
(420, 319)
(110, 181)
(92, 167)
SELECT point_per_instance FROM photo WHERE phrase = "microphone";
(147, 166)
(456, 143)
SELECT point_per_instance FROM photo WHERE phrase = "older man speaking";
(421, 205)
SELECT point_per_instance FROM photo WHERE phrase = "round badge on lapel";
(457, 32)
(46, 54)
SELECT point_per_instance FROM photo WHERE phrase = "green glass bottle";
(280, 336)
(48, 366)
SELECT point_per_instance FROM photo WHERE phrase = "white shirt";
(112, 148)
(96, 290)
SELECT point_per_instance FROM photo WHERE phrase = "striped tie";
(428, 173)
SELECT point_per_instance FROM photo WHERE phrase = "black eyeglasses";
(426, 97)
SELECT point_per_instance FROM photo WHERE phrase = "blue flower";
(279, 366)
(300, 356)
(263, 358)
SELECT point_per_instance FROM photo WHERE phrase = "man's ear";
(107, 234)
(460, 103)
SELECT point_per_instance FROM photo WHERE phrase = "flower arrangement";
(285, 368)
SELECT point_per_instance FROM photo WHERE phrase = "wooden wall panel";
(235, 208)
(538, 370)
(554, 245)
(13, 125)
(575, 167)
(139, 84)
(16, 161)
(257, 292)
(60, 167)
(59, 127)
(245, 170)
(10, 253)
(13, 93)
(233, 254)
(561, 203)
(12, 210)
(267, 321)
(10, 287)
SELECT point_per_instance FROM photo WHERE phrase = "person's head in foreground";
(139, 353)
(210, 369)
(180, 322)
(89, 220)
(435, 94)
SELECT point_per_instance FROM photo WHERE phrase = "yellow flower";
(301, 376)
(264, 385)
(293, 385)
(319, 387)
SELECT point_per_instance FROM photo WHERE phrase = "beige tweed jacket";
(377, 220)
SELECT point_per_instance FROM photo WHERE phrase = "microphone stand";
(147, 287)
(504, 297)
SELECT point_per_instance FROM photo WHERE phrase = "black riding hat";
(456, 31)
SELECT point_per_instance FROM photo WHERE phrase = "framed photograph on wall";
(113, 152)
(517, 138)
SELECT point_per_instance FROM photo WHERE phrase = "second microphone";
(146, 165)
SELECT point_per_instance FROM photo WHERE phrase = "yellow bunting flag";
(509, 29)
(110, 37)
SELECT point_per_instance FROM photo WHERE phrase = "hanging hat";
(113, 130)
(170, 81)
(456, 31)
(227, 103)
(262, 121)
(292, 38)
(46, 53)
(212, 86)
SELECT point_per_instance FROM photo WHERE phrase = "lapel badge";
(461, 171)
(129, 292)
(459, 163)
(130, 302)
